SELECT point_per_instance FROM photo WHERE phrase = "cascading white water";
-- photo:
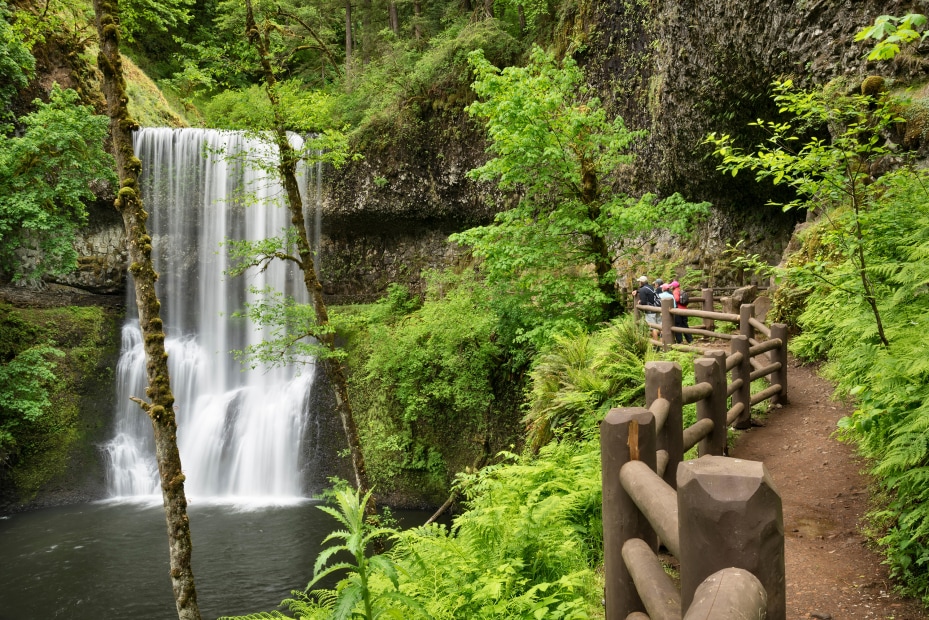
(240, 432)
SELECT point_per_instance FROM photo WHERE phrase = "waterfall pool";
(109, 560)
(251, 438)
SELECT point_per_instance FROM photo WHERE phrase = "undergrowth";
(890, 385)
(858, 288)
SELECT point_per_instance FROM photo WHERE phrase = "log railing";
(720, 517)
(745, 321)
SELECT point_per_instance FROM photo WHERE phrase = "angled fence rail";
(733, 311)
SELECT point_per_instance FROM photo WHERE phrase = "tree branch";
(325, 50)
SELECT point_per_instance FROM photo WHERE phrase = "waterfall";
(242, 433)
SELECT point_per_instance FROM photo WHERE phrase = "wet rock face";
(357, 264)
(417, 176)
(387, 217)
(684, 69)
(102, 255)
(677, 69)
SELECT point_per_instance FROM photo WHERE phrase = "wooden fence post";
(707, 369)
(743, 371)
(779, 330)
(625, 435)
(708, 324)
(667, 322)
(746, 312)
(663, 380)
(734, 519)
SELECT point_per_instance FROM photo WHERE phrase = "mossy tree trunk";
(287, 168)
(160, 406)
(603, 261)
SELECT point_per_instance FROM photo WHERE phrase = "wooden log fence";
(747, 364)
(723, 522)
(720, 517)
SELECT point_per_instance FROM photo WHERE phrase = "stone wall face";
(388, 216)
(102, 256)
(681, 69)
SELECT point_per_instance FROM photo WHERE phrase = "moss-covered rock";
(58, 459)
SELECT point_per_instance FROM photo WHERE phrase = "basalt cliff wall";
(677, 69)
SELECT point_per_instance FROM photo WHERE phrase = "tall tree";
(287, 166)
(366, 33)
(417, 20)
(554, 148)
(393, 17)
(160, 407)
(348, 38)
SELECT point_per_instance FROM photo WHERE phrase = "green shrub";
(27, 364)
(858, 290)
(437, 359)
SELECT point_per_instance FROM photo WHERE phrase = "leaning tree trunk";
(160, 407)
(287, 169)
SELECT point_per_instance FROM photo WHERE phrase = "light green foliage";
(249, 109)
(62, 19)
(152, 17)
(548, 258)
(534, 11)
(304, 40)
(16, 66)
(425, 380)
(394, 86)
(889, 384)
(357, 595)
(542, 117)
(891, 32)
(523, 549)
(438, 358)
(45, 177)
(26, 373)
(582, 376)
(370, 587)
(831, 173)
(290, 332)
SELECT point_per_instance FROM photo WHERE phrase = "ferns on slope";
(890, 384)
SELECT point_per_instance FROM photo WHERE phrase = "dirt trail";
(831, 572)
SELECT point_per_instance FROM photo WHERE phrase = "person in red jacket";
(680, 300)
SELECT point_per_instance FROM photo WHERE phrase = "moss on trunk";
(160, 406)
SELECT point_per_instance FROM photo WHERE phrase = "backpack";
(685, 298)
(656, 301)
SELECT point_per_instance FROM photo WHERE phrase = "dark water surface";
(106, 561)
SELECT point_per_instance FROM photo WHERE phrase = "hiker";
(665, 294)
(680, 301)
(646, 296)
